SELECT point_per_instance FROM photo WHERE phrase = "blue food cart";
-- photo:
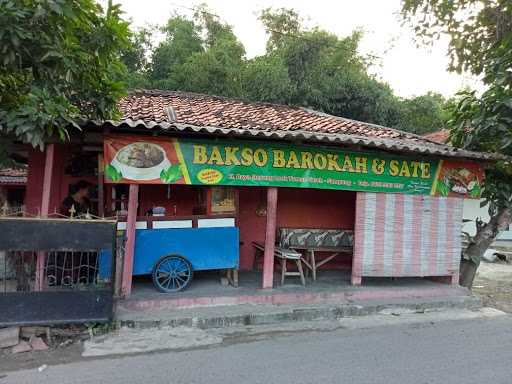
(172, 255)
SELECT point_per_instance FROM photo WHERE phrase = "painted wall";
(304, 208)
(185, 198)
(60, 181)
(35, 176)
(406, 235)
(301, 208)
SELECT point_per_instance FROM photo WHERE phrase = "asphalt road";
(468, 351)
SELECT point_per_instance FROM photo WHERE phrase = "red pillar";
(47, 180)
(270, 238)
(357, 254)
(45, 209)
(133, 198)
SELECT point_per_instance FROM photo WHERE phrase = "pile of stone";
(24, 339)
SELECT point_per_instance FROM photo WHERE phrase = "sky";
(410, 70)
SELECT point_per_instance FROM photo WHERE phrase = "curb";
(257, 315)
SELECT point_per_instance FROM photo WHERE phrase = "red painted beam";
(357, 257)
(133, 198)
(47, 180)
(270, 238)
(45, 209)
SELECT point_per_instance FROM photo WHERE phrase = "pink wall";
(184, 197)
(36, 161)
(407, 235)
(34, 181)
(60, 183)
(301, 208)
(304, 208)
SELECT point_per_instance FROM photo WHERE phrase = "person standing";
(77, 202)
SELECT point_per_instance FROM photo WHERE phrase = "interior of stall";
(305, 209)
(297, 208)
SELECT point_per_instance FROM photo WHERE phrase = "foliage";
(472, 26)
(423, 114)
(199, 55)
(134, 56)
(484, 123)
(325, 72)
(266, 79)
(306, 67)
(480, 36)
(60, 63)
(182, 41)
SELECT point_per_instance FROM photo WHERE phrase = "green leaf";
(171, 174)
(112, 173)
(475, 192)
(442, 188)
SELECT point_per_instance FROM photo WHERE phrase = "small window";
(222, 200)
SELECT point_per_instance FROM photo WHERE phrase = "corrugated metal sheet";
(13, 180)
(396, 145)
(407, 235)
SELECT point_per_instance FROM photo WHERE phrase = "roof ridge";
(409, 135)
(239, 116)
(164, 92)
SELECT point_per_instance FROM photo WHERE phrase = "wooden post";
(357, 258)
(270, 238)
(101, 188)
(45, 210)
(47, 180)
(129, 250)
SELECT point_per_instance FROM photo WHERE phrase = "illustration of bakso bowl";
(141, 161)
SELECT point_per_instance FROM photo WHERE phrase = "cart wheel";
(172, 273)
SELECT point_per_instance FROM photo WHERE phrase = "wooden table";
(310, 261)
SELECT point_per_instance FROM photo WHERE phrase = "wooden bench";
(311, 240)
(285, 254)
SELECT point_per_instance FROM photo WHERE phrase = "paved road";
(465, 352)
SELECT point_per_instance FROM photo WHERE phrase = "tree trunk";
(480, 243)
(467, 273)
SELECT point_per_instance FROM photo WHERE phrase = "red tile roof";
(13, 176)
(441, 136)
(212, 115)
(213, 111)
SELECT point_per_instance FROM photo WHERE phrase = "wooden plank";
(129, 251)
(55, 234)
(47, 180)
(270, 238)
(286, 253)
(45, 209)
(101, 187)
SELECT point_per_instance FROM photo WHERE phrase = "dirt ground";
(493, 284)
(28, 360)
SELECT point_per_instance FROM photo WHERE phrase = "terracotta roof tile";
(13, 172)
(148, 109)
(13, 176)
(204, 110)
(441, 136)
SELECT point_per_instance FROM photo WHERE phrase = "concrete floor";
(208, 284)
(331, 287)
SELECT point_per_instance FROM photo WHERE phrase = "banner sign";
(157, 160)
